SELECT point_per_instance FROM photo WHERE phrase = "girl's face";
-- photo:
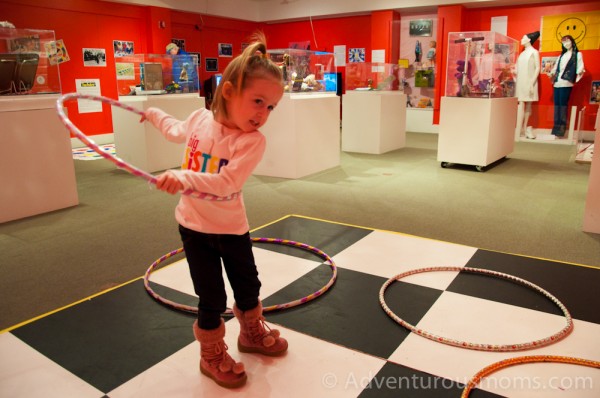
(567, 44)
(250, 109)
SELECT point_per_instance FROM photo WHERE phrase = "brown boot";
(215, 362)
(256, 336)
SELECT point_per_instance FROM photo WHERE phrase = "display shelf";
(141, 144)
(476, 131)
(373, 121)
(303, 136)
(37, 173)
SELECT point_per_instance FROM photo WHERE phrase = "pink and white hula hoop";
(275, 307)
(120, 163)
(479, 346)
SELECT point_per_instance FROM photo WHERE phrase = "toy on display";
(480, 65)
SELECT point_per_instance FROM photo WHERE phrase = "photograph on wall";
(211, 64)
(420, 27)
(547, 64)
(595, 93)
(225, 50)
(25, 44)
(94, 57)
(122, 48)
(180, 43)
(356, 55)
(125, 70)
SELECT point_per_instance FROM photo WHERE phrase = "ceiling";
(282, 10)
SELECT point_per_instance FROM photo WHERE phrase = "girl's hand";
(143, 118)
(169, 183)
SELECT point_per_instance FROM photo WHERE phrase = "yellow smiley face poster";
(584, 27)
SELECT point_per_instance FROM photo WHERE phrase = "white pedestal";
(373, 121)
(36, 161)
(476, 131)
(141, 144)
(303, 136)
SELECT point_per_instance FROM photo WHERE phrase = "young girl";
(223, 148)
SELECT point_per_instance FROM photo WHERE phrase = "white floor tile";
(26, 373)
(312, 367)
(388, 254)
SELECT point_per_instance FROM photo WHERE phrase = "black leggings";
(204, 253)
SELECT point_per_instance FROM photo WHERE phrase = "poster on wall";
(88, 87)
(225, 50)
(94, 57)
(548, 64)
(595, 93)
(356, 55)
(420, 27)
(122, 48)
(581, 26)
(211, 64)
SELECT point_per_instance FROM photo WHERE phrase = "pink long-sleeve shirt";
(217, 160)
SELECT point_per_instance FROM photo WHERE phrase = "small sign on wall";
(420, 27)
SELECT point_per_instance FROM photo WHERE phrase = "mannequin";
(567, 71)
(528, 70)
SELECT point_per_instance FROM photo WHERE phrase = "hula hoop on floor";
(229, 311)
(478, 346)
(120, 163)
(521, 360)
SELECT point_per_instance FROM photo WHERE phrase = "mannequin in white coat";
(528, 70)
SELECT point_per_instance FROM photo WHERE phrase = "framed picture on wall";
(225, 50)
(180, 43)
(420, 27)
(595, 93)
(356, 55)
(211, 64)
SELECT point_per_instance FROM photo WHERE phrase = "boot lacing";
(260, 333)
(216, 356)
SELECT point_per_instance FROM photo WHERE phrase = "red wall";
(95, 24)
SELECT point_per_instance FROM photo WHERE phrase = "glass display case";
(29, 62)
(365, 76)
(306, 71)
(146, 74)
(480, 65)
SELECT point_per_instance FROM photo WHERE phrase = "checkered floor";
(122, 343)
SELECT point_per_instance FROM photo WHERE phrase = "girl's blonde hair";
(251, 64)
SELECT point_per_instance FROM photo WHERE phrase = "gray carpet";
(531, 204)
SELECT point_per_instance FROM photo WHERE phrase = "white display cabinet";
(303, 136)
(478, 113)
(37, 172)
(476, 131)
(373, 109)
(141, 144)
